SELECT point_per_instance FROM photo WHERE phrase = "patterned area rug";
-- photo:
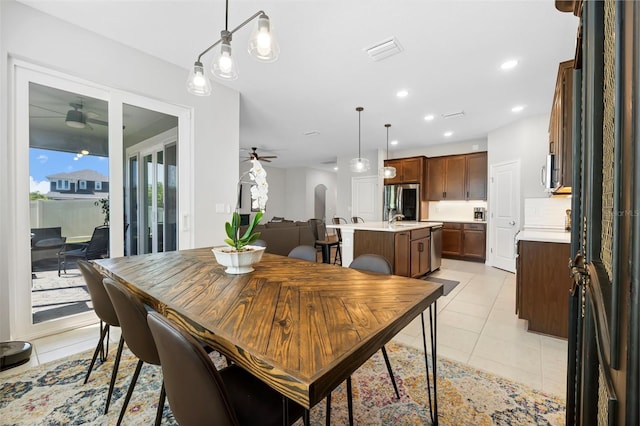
(53, 393)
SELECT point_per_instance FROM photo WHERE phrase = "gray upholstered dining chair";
(378, 264)
(132, 315)
(108, 318)
(304, 252)
(200, 394)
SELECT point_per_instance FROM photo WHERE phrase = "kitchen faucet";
(395, 217)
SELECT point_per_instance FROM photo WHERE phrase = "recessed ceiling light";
(510, 64)
(335, 168)
(517, 108)
(84, 152)
(429, 117)
(447, 134)
(402, 94)
(394, 142)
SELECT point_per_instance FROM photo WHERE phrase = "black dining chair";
(377, 264)
(132, 315)
(96, 248)
(338, 221)
(319, 231)
(303, 252)
(108, 318)
(200, 394)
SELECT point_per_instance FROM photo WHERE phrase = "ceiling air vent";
(454, 114)
(384, 49)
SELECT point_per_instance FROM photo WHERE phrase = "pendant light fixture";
(263, 47)
(359, 165)
(388, 172)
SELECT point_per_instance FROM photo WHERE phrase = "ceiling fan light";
(198, 84)
(263, 45)
(223, 65)
(75, 119)
(359, 165)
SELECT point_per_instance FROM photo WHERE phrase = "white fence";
(76, 217)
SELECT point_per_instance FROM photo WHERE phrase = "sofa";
(46, 243)
(282, 236)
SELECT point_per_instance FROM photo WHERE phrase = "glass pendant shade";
(263, 45)
(388, 172)
(223, 65)
(359, 165)
(198, 83)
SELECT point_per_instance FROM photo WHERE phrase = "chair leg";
(132, 385)
(114, 373)
(328, 414)
(163, 396)
(103, 331)
(393, 380)
(350, 401)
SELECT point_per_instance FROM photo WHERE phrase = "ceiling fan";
(253, 155)
(75, 117)
(78, 119)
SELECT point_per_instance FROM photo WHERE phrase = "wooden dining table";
(301, 327)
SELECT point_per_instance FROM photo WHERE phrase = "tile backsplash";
(453, 210)
(545, 213)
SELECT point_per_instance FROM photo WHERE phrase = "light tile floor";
(477, 325)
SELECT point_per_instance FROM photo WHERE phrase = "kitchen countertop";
(458, 221)
(384, 226)
(545, 235)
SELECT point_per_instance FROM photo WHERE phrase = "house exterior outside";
(83, 184)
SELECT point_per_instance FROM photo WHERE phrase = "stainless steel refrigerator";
(401, 199)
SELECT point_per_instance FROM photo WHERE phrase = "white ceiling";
(450, 62)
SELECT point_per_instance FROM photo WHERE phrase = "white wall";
(525, 140)
(291, 192)
(35, 37)
(344, 175)
(464, 147)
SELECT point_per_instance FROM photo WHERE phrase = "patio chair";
(46, 243)
(96, 248)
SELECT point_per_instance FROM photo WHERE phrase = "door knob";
(513, 222)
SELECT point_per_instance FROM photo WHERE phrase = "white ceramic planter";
(238, 262)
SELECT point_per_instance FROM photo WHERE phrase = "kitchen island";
(408, 246)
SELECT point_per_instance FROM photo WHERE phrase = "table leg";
(326, 253)
(433, 403)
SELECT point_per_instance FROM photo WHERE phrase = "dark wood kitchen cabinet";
(561, 129)
(409, 252)
(457, 177)
(465, 241)
(408, 170)
(542, 286)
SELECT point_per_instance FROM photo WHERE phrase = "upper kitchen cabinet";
(408, 170)
(457, 177)
(560, 129)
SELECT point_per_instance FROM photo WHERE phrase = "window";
(82, 184)
(98, 186)
(62, 185)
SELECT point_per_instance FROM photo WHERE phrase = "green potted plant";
(240, 255)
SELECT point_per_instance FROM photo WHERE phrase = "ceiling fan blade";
(94, 121)
(265, 160)
(268, 156)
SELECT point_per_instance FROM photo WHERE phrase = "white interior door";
(504, 219)
(365, 198)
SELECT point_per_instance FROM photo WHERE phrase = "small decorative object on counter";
(567, 220)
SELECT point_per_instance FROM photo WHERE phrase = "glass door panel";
(171, 198)
(69, 197)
